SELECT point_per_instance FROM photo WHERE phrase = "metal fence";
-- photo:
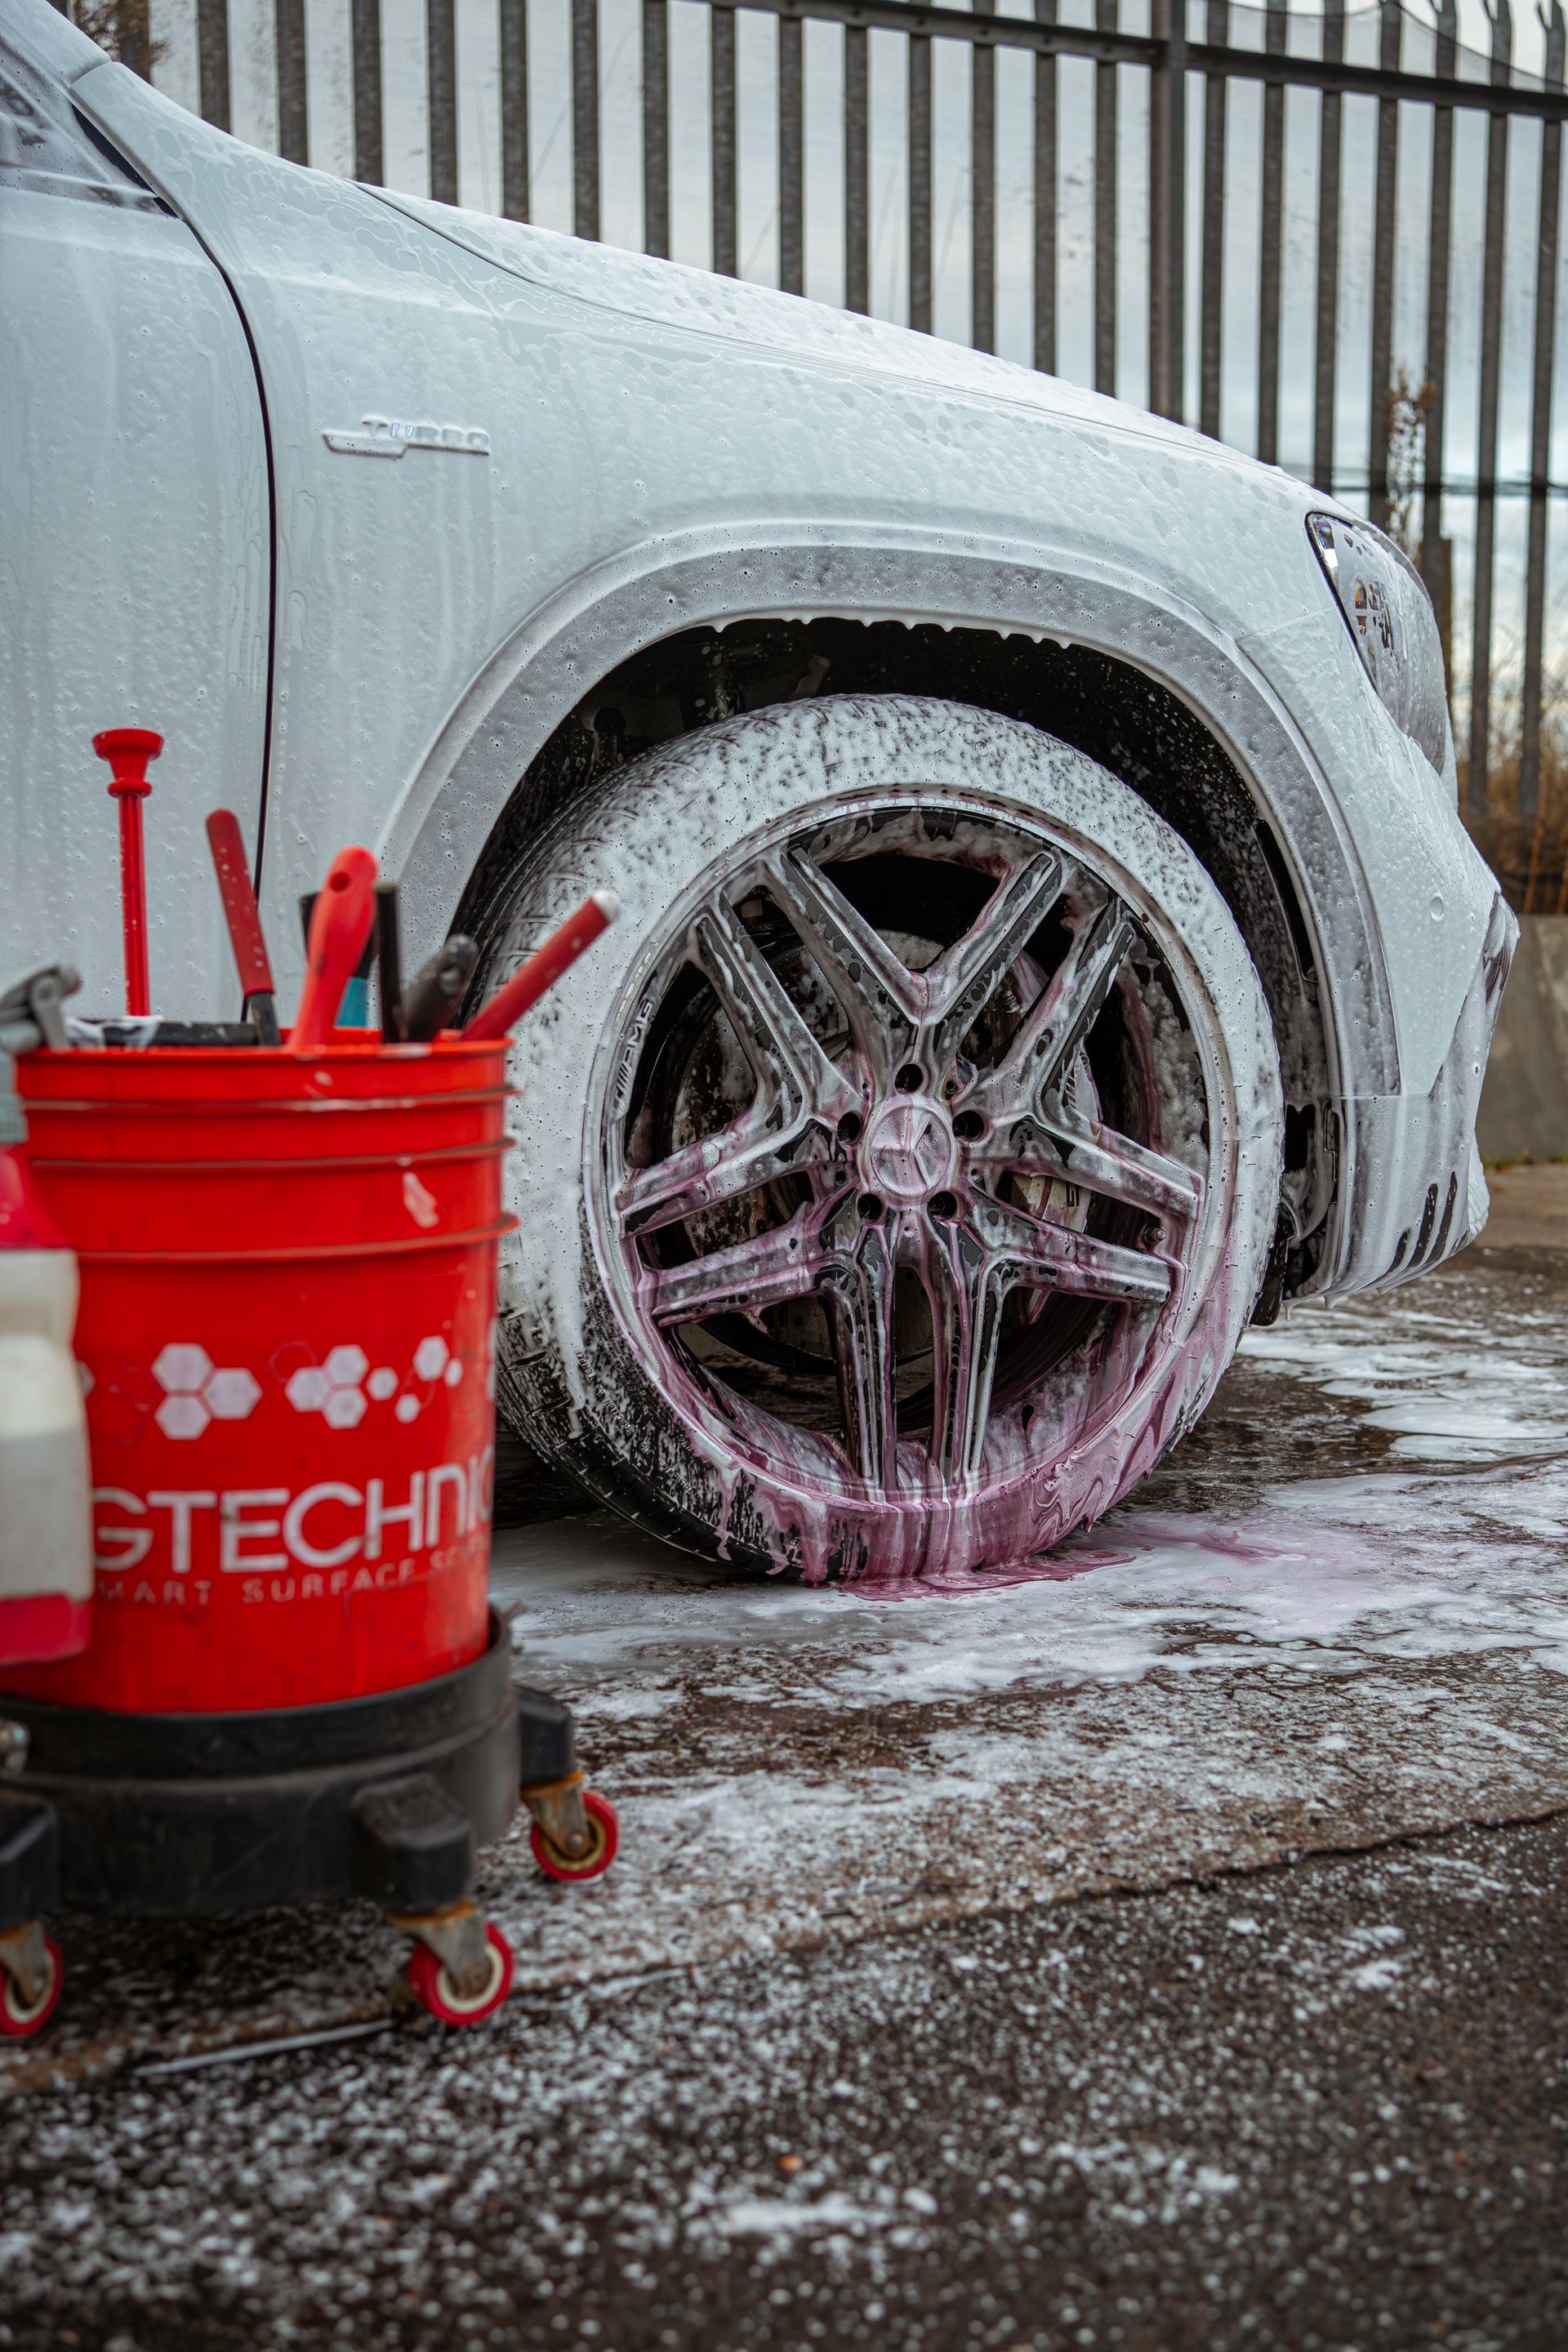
(1231, 170)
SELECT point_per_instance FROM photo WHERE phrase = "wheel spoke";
(1101, 1161)
(1048, 1041)
(879, 999)
(967, 1286)
(858, 1291)
(792, 1069)
(743, 1155)
(784, 1264)
(961, 983)
(800, 1095)
(1041, 1256)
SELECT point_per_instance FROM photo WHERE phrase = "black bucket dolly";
(203, 1815)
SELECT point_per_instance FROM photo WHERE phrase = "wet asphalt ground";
(1318, 2106)
(1171, 1955)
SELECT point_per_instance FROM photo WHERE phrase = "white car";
(1048, 937)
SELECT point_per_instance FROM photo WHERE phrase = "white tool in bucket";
(46, 1527)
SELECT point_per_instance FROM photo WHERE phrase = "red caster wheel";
(433, 1988)
(606, 1835)
(18, 2017)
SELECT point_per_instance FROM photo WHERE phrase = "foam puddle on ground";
(1337, 1616)
(1324, 1571)
(1451, 1541)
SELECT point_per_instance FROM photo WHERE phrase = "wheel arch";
(661, 642)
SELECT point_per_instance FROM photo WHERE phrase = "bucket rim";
(358, 1045)
(256, 1106)
(461, 1238)
(485, 1146)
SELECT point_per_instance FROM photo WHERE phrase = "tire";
(918, 1254)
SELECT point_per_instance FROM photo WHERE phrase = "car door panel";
(134, 558)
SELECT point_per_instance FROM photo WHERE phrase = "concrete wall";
(1524, 1103)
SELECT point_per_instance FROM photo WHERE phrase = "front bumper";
(1412, 1192)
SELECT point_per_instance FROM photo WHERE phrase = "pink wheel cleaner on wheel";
(920, 1176)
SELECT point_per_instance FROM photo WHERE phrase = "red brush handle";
(239, 906)
(339, 926)
(128, 750)
(544, 967)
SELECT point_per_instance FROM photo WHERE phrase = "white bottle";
(46, 1526)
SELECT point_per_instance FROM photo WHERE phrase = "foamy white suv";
(1048, 940)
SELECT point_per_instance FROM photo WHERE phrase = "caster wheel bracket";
(458, 1937)
(24, 1957)
(574, 1832)
(557, 1807)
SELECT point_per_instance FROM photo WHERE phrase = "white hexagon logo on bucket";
(307, 1389)
(331, 1388)
(433, 1366)
(343, 1387)
(196, 1391)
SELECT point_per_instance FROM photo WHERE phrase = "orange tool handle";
(544, 967)
(339, 926)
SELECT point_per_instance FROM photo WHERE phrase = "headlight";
(1389, 616)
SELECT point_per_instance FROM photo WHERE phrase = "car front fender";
(542, 671)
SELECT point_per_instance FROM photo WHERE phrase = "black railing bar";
(857, 172)
(1326, 347)
(1045, 73)
(1107, 156)
(585, 189)
(1545, 357)
(1270, 245)
(364, 24)
(655, 127)
(1384, 241)
(441, 101)
(1488, 417)
(1439, 257)
(213, 62)
(1167, 210)
(959, 25)
(1351, 82)
(792, 155)
(724, 205)
(983, 194)
(919, 184)
(514, 152)
(917, 16)
(1512, 486)
(294, 128)
(1211, 240)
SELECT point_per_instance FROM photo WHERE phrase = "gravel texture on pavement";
(1320, 2106)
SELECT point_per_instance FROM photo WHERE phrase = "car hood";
(667, 293)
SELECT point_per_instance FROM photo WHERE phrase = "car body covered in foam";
(366, 502)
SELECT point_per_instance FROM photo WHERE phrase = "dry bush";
(1528, 854)
(122, 30)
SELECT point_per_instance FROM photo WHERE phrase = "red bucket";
(287, 1331)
